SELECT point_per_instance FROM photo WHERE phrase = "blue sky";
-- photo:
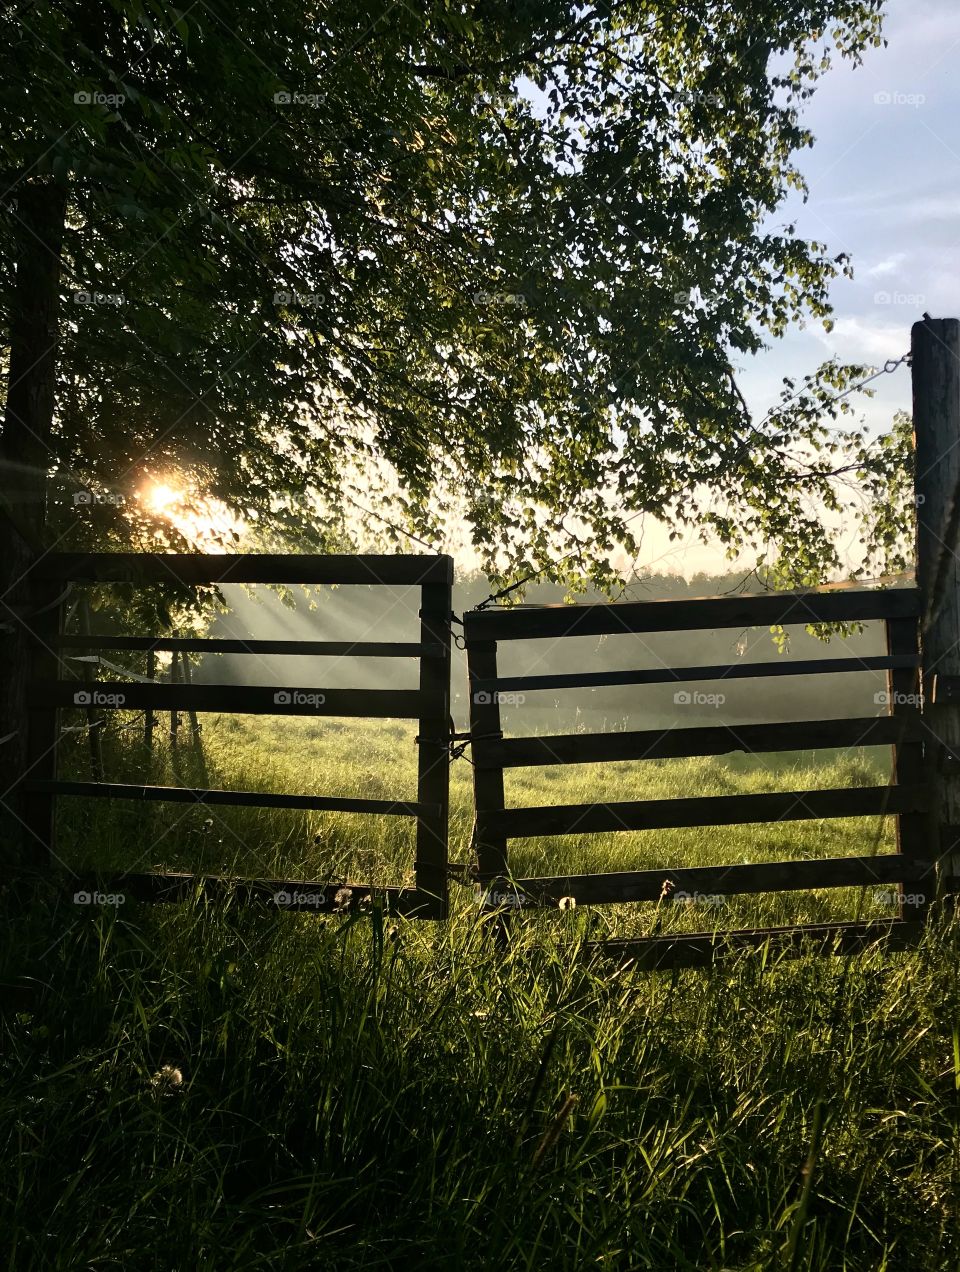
(884, 186)
(884, 181)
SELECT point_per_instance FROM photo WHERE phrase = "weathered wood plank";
(702, 949)
(916, 832)
(490, 846)
(710, 810)
(257, 799)
(935, 347)
(239, 699)
(658, 744)
(709, 613)
(692, 675)
(94, 723)
(18, 549)
(721, 881)
(43, 731)
(211, 645)
(282, 895)
(195, 570)
(148, 715)
(433, 741)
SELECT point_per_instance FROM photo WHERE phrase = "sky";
(884, 186)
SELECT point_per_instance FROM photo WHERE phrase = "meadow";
(201, 1085)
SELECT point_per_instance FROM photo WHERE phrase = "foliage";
(352, 255)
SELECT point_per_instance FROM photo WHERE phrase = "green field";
(378, 761)
(360, 1092)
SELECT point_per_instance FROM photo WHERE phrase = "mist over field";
(390, 614)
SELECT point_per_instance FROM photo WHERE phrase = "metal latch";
(945, 689)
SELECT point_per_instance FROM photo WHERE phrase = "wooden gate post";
(174, 713)
(17, 552)
(936, 422)
(490, 846)
(95, 724)
(433, 762)
(148, 717)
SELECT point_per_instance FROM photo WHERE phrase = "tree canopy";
(499, 256)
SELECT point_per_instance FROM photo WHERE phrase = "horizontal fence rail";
(660, 744)
(700, 949)
(429, 704)
(397, 704)
(214, 645)
(254, 799)
(712, 881)
(908, 799)
(708, 614)
(691, 675)
(701, 810)
(202, 570)
(93, 889)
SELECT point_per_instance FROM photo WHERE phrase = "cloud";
(889, 265)
(929, 207)
(889, 203)
(861, 340)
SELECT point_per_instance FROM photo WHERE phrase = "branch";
(462, 70)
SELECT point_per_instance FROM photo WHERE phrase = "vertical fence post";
(30, 619)
(43, 724)
(148, 714)
(191, 714)
(493, 865)
(174, 713)
(433, 761)
(16, 554)
(95, 723)
(936, 421)
(914, 830)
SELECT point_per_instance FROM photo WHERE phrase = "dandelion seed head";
(167, 1079)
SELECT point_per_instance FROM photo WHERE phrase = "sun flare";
(160, 497)
(204, 522)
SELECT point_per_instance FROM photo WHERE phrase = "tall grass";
(360, 1092)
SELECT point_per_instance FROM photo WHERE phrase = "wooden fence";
(429, 705)
(922, 665)
(909, 797)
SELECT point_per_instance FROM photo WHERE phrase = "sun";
(204, 522)
(160, 497)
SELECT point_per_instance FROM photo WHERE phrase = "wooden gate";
(908, 797)
(429, 705)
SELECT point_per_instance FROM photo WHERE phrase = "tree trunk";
(25, 443)
(25, 457)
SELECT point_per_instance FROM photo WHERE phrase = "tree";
(501, 253)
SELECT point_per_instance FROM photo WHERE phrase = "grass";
(357, 1092)
(378, 761)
